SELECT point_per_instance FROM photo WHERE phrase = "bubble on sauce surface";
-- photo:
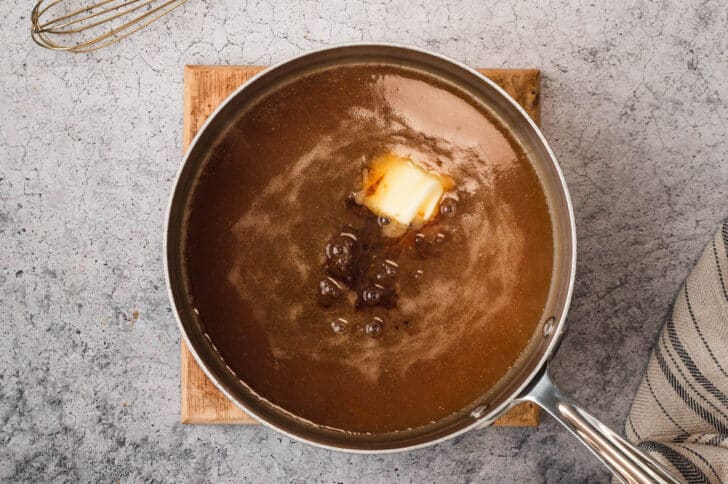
(448, 206)
(374, 328)
(339, 325)
(340, 246)
(372, 295)
(329, 291)
(341, 268)
(340, 254)
(387, 272)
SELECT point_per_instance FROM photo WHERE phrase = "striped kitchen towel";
(680, 413)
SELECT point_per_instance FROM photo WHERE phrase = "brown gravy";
(273, 193)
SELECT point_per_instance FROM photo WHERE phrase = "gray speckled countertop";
(635, 105)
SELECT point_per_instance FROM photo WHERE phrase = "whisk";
(56, 26)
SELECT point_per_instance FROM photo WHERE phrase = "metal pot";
(528, 380)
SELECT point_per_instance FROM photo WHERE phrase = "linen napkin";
(680, 413)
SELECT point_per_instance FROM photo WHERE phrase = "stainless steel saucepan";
(528, 380)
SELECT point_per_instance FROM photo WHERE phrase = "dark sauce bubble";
(341, 268)
(374, 328)
(390, 268)
(430, 241)
(330, 287)
(329, 291)
(341, 253)
(448, 206)
(372, 295)
(339, 325)
(340, 246)
(386, 272)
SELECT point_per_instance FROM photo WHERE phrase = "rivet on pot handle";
(625, 460)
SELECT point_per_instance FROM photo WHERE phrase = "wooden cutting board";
(205, 87)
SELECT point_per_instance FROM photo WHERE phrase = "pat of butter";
(401, 191)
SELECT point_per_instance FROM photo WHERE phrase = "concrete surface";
(635, 105)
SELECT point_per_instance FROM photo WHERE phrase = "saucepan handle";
(625, 460)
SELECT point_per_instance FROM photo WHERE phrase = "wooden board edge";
(194, 396)
(188, 80)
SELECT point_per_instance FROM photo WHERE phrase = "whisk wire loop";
(122, 18)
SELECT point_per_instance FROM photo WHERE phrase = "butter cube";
(403, 192)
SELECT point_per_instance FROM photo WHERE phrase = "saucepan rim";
(560, 319)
